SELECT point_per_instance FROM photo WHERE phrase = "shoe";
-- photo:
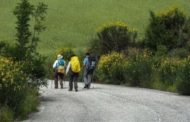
(88, 87)
(85, 86)
(76, 90)
(70, 90)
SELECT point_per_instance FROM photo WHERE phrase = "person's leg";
(85, 78)
(56, 80)
(61, 76)
(89, 80)
(76, 81)
(71, 82)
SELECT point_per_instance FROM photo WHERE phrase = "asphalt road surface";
(109, 103)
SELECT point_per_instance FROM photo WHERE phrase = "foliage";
(94, 47)
(13, 83)
(167, 29)
(27, 41)
(66, 53)
(111, 68)
(23, 11)
(183, 85)
(115, 37)
(29, 103)
(139, 69)
(6, 115)
(168, 70)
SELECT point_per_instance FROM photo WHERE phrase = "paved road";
(108, 103)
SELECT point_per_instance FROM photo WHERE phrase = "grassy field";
(74, 22)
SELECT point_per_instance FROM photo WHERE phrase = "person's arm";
(84, 63)
(55, 64)
(68, 68)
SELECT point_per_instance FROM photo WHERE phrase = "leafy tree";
(23, 12)
(27, 40)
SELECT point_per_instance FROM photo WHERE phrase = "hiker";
(89, 66)
(73, 68)
(59, 69)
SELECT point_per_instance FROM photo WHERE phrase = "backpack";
(91, 64)
(75, 64)
(60, 66)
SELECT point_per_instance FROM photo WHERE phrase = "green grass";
(73, 23)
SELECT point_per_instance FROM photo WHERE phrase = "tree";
(23, 12)
(26, 40)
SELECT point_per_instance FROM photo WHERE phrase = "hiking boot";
(85, 86)
(70, 90)
(76, 90)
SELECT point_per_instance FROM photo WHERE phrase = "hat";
(59, 56)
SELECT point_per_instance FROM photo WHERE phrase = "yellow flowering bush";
(111, 68)
(169, 68)
(12, 83)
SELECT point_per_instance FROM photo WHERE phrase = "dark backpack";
(91, 64)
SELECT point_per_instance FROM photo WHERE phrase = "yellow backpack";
(75, 64)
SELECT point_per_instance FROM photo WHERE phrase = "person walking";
(89, 63)
(73, 68)
(59, 69)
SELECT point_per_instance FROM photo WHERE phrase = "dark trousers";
(60, 77)
(73, 78)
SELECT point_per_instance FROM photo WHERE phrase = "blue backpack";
(91, 64)
(60, 66)
(61, 62)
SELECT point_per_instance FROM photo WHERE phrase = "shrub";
(29, 103)
(168, 70)
(12, 84)
(167, 29)
(139, 69)
(115, 37)
(35, 70)
(6, 115)
(111, 68)
(183, 85)
(66, 53)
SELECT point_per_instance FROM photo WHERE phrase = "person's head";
(72, 56)
(59, 56)
(87, 54)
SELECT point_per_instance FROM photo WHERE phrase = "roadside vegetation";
(159, 61)
(22, 69)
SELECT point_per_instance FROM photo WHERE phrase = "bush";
(168, 29)
(115, 37)
(111, 68)
(183, 85)
(6, 115)
(66, 53)
(29, 103)
(139, 69)
(168, 70)
(35, 70)
(13, 84)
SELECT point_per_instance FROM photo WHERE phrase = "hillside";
(73, 22)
